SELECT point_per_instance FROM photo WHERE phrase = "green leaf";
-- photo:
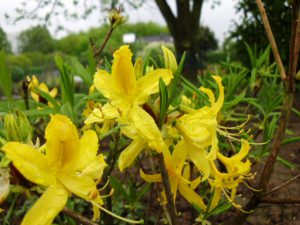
(118, 187)
(82, 72)
(285, 162)
(263, 57)
(163, 94)
(291, 140)
(91, 62)
(220, 209)
(176, 79)
(251, 55)
(5, 78)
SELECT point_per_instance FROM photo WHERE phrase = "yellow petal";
(62, 146)
(123, 76)
(29, 162)
(197, 156)
(47, 207)
(149, 84)
(96, 116)
(4, 184)
(146, 128)
(81, 185)
(34, 96)
(216, 198)
(110, 112)
(95, 168)
(138, 68)
(88, 147)
(150, 178)
(103, 83)
(53, 92)
(191, 196)
(210, 94)
(129, 154)
(179, 155)
(43, 87)
(169, 59)
(219, 103)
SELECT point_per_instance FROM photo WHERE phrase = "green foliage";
(250, 29)
(4, 43)
(5, 78)
(36, 39)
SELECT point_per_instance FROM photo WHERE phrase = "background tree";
(36, 39)
(4, 43)
(249, 29)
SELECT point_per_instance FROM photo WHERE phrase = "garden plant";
(138, 142)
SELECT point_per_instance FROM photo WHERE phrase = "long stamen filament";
(116, 216)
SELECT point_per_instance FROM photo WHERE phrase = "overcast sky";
(218, 18)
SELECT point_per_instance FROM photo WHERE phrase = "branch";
(280, 201)
(284, 184)
(197, 10)
(167, 188)
(77, 217)
(271, 39)
(282, 126)
(167, 14)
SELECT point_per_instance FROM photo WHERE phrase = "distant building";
(162, 38)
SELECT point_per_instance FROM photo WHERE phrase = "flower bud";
(116, 18)
(169, 58)
(17, 127)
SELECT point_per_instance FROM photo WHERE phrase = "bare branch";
(77, 217)
(271, 39)
(284, 184)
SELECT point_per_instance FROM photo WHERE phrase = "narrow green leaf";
(163, 93)
(118, 187)
(176, 79)
(285, 162)
(82, 72)
(291, 140)
(5, 78)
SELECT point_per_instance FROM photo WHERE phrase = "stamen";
(116, 216)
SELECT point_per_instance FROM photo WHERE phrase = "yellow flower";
(179, 175)
(34, 83)
(236, 171)
(69, 165)
(199, 131)
(127, 94)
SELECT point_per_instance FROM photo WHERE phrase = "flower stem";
(167, 188)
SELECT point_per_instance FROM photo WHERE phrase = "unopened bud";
(116, 18)
(169, 58)
(17, 127)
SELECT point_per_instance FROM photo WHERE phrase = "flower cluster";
(187, 136)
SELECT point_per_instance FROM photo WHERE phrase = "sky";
(219, 18)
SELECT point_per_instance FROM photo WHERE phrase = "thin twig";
(167, 188)
(271, 39)
(280, 201)
(98, 51)
(77, 217)
(283, 184)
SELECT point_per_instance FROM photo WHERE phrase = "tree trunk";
(184, 29)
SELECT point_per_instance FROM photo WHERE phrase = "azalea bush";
(136, 129)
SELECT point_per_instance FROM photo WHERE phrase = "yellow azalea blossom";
(34, 83)
(127, 92)
(236, 171)
(199, 131)
(179, 175)
(69, 165)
